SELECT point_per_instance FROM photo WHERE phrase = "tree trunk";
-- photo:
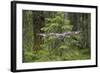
(38, 23)
(86, 30)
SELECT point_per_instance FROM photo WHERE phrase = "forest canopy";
(55, 36)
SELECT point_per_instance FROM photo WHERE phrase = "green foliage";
(52, 48)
